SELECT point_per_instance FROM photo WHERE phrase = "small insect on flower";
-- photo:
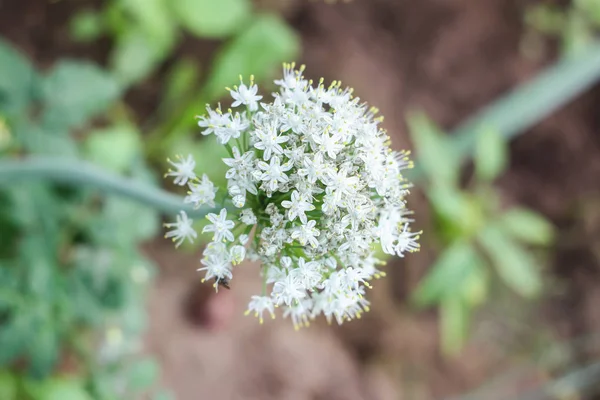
(313, 187)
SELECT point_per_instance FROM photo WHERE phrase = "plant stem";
(82, 173)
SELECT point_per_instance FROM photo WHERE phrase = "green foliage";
(478, 237)
(574, 25)
(66, 104)
(263, 45)
(208, 18)
(69, 262)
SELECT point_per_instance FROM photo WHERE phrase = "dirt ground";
(448, 58)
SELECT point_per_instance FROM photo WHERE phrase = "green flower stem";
(529, 103)
(82, 173)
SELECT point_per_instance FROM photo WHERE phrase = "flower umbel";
(312, 187)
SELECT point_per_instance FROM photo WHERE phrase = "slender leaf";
(527, 225)
(491, 155)
(514, 264)
(449, 271)
(434, 152)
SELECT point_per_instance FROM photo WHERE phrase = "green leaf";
(134, 57)
(266, 43)
(449, 271)
(514, 264)
(143, 374)
(459, 214)
(86, 26)
(124, 223)
(577, 35)
(528, 226)
(474, 288)
(491, 155)
(113, 148)
(434, 153)
(209, 18)
(74, 92)
(545, 18)
(455, 317)
(43, 351)
(18, 80)
(155, 20)
(181, 81)
(58, 389)
(8, 386)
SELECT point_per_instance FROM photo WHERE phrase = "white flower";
(220, 226)
(246, 95)
(201, 193)
(182, 229)
(268, 140)
(237, 254)
(260, 304)
(297, 207)
(288, 291)
(215, 122)
(184, 170)
(247, 217)
(307, 233)
(407, 241)
(315, 187)
(274, 173)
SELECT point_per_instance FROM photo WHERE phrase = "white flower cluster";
(313, 181)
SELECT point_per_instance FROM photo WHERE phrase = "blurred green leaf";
(113, 148)
(8, 386)
(474, 288)
(18, 80)
(209, 18)
(491, 155)
(455, 316)
(36, 140)
(527, 225)
(577, 35)
(514, 264)
(459, 214)
(451, 269)
(134, 57)
(545, 18)
(590, 8)
(43, 350)
(16, 332)
(434, 153)
(155, 20)
(123, 223)
(143, 374)
(75, 91)
(181, 81)
(58, 389)
(86, 26)
(266, 43)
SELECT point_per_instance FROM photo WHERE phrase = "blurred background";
(498, 100)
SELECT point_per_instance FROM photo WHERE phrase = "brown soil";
(448, 58)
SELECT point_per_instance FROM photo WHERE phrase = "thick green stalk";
(81, 173)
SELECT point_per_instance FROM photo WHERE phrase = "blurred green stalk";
(529, 103)
(82, 173)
